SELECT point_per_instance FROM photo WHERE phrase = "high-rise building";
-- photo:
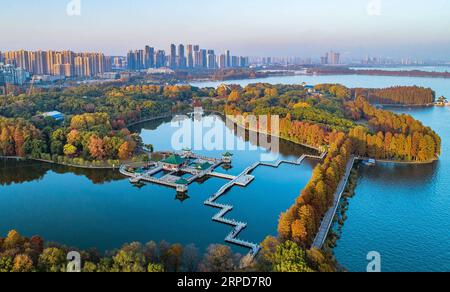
(190, 56)
(228, 58)
(334, 58)
(234, 61)
(173, 56)
(160, 59)
(149, 57)
(140, 56)
(181, 60)
(181, 57)
(197, 56)
(204, 58)
(324, 59)
(223, 61)
(131, 60)
(10, 74)
(244, 62)
(211, 60)
(57, 63)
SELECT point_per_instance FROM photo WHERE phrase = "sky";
(304, 28)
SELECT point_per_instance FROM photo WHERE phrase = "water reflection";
(287, 148)
(401, 174)
(17, 172)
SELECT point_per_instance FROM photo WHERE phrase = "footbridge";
(243, 180)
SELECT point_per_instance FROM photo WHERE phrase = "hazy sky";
(414, 28)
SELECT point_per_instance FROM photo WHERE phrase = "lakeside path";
(389, 161)
(329, 216)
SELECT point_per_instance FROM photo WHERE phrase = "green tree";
(70, 150)
(6, 264)
(130, 259)
(89, 267)
(155, 268)
(290, 258)
(52, 260)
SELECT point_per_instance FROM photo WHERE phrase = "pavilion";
(173, 163)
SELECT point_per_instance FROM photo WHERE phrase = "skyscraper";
(181, 57)
(197, 56)
(324, 59)
(173, 56)
(190, 57)
(334, 58)
(228, 60)
(160, 59)
(131, 60)
(149, 57)
(211, 61)
(203, 58)
(223, 61)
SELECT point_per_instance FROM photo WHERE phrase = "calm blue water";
(408, 68)
(440, 85)
(403, 212)
(102, 209)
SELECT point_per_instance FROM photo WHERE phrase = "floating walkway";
(328, 219)
(170, 180)
(243, 180)
(222, 175)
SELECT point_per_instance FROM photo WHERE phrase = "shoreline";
(382, 73)
(111, 167)
(274, 136)
(388, 161)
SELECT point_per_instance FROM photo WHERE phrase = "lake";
(402, 212)
(94, 208)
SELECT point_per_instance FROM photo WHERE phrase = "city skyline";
(292, 28)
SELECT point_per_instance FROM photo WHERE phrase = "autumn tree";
(218, 258)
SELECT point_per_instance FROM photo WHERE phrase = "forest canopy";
(398, 95)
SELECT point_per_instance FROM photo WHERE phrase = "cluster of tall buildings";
(12, 75)
(279, 61)
(183, 57)
(331, 58)
(62, 63)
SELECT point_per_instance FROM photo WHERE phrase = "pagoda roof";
(203, 166)
(174, 160)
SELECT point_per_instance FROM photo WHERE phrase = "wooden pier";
(243, 180)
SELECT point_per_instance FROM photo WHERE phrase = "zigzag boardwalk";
(243, 180)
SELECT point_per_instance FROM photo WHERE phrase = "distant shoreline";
(377, 72)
